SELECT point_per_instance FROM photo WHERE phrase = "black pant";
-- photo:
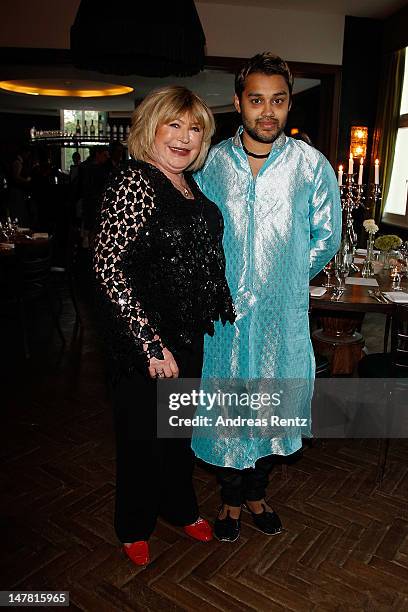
(153, 476)
(249, 484)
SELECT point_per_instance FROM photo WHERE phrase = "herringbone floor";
(345, 544)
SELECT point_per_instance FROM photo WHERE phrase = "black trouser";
(250, 484)
(153, 476)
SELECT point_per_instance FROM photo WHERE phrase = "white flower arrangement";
(370, 226)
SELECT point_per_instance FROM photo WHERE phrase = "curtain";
(387, 120)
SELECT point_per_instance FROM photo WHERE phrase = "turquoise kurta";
(280, 230)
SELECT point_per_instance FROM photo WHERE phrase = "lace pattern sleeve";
(127, 204)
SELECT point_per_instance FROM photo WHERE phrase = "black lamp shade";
(138, 37)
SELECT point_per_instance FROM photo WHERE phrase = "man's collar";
(277, 144)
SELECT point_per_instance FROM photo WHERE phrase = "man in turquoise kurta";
(281, 207)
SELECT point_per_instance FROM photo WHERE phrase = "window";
(69, 119)
(396, 205)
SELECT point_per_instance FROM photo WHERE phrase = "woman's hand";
(163, 368)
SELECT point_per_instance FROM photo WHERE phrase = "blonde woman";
(160, 267)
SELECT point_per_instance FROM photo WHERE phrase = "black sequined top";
(159, 265)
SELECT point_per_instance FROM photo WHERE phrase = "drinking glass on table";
(404, 253)
(341, 270)
(328, 268)
(4, 233)
(396, 278)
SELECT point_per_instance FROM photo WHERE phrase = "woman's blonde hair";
(160, 107)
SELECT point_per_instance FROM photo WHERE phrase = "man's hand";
(163, 368)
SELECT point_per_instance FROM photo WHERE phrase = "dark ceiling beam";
(396, 31)
(27, 56)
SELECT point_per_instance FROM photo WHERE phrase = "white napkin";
(364, 251)
(317, 291)
(399, 297)
(23, 230)
(359, 260)
(38, 235)
(368, 282)
(7, 245)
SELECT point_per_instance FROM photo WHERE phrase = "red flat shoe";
(200, 530)
(138, 552)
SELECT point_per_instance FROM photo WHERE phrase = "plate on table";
(399, 297)
(364, 252)
(317, 291)
(364, 282)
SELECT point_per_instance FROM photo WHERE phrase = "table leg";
(339, 340)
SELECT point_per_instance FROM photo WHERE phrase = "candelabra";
(354, 196)
(375, 197)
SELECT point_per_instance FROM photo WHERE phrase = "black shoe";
(227, 529)
(267, 522)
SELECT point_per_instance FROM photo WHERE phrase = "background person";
(93, 177)
(19, 193)
(116, 152)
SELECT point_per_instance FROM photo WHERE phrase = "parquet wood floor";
(345, 544)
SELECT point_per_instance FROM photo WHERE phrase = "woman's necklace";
(183, 189)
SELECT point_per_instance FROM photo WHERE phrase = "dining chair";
(392, 366)
(322, 371)
(66, 271)
(387, 332)
(29, 282)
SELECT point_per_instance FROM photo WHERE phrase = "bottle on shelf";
(100, 127)
(78, 129)
(127, 131)
(108, 131)
(121, 132)
(114, 131)
(32, 133)
(92, 129)
(85, 129)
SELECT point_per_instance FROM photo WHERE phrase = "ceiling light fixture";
(358, 141)
(143, 38)
(87, 90)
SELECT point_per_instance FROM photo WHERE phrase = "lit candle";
(340, 176)
(350, 168)
(360, 172)
(377, 172)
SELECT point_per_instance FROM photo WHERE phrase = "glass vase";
(385, 259)
(368, 267)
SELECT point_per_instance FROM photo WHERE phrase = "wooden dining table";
(22, 240)
(23, 248)
(338, 336)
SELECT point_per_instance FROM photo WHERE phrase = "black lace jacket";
(159, 265)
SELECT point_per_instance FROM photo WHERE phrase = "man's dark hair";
(263, 63)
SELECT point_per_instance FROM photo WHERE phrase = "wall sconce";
(358, 141)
